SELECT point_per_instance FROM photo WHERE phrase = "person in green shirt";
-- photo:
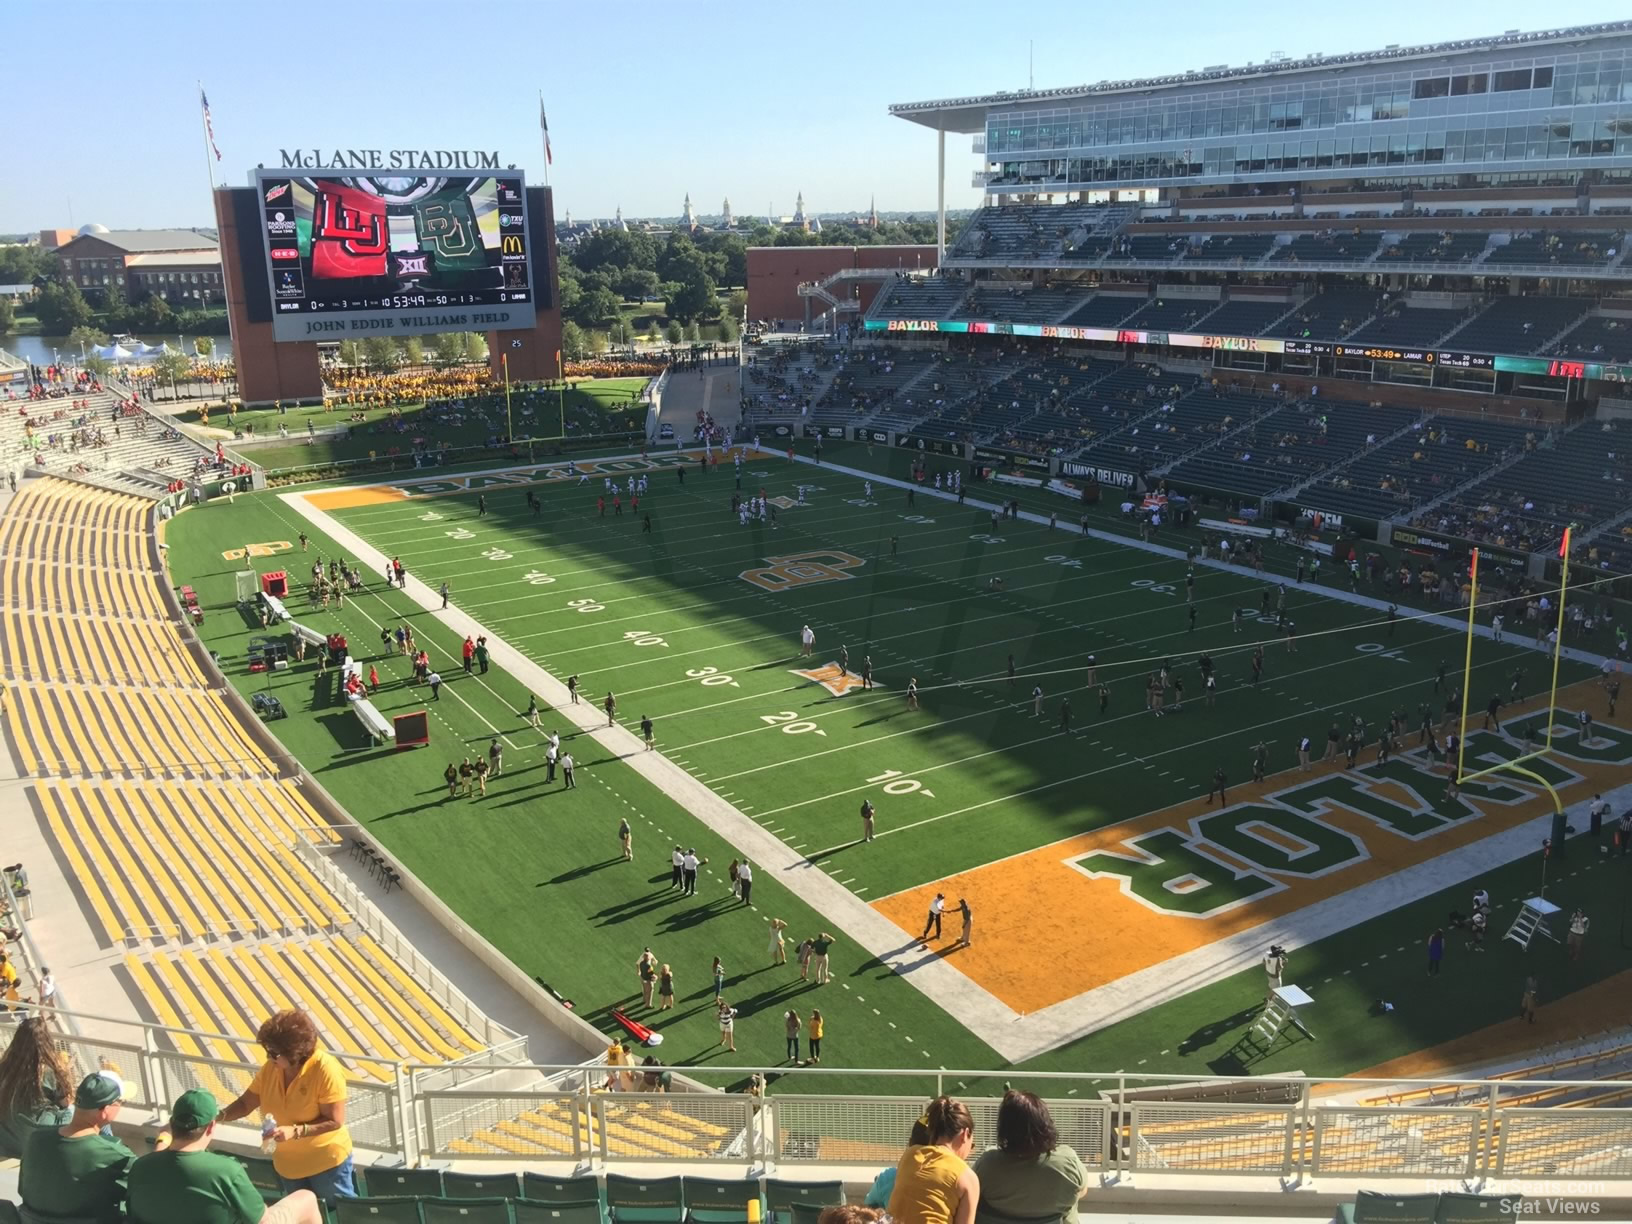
(183, 1182)
(74, 1171)
(1030, 1173)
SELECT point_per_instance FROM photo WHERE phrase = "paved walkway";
(1015, 1036)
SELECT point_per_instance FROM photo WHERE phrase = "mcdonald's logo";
(511, 245)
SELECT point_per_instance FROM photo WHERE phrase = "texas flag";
(350, 236)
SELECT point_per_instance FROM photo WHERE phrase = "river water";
(38, 348)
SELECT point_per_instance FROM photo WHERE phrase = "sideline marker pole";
(1558, 646)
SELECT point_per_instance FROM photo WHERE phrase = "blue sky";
(646, 101)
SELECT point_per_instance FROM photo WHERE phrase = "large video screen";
(351, 256)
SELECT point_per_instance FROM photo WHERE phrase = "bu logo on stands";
(802, 569)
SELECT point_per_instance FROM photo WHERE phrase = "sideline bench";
(276, 612)
(377, 725)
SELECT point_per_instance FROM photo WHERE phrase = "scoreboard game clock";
(350, 256)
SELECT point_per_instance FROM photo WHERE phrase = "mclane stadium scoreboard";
(350, 256)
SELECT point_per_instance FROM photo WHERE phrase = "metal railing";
(1119, 1124)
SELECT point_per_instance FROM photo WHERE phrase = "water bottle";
(269, 1142)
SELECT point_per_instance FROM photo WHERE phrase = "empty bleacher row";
(104, 732)
(1107, 235)
(1430, 460)
(166, 859)
(1291, 445)
(175, 822)
(1580, 476)
(365, 1004)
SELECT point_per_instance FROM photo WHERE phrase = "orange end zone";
(1049, 927)
(350, 499)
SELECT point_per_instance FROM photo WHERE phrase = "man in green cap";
(74, 1171)
(185, 1183)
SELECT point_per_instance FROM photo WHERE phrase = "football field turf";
(1103, 887)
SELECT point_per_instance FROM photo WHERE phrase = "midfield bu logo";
(802, 569)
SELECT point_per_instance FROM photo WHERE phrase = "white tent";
(114, 352)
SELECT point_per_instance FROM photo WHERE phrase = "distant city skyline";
(751, 105)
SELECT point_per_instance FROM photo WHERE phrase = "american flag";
(209, 128)
(544, 123)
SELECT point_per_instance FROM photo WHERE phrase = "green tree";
(651, 329)
(8, 316)
(26, 265)
(381, 353)
(674, 333)
(613, 250)
(731, 250)
(204, 347)
(154, 314)
(598, 343)
(597, 308)
(570, 289)
(61, 308)
(413, 351)
(574, 342)
(86, 336)
(694, 333)
(736, 304)
(172, 367)
(351, 353)
(447, 349)
(637, 284)
(622, 334)
(728, 330)
(475, 345)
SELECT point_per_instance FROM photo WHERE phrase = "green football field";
(696, 625)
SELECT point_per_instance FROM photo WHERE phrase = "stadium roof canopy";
(968, 115)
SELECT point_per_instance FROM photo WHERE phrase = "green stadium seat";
(394, 1209)
(985, 1215)
(1372, 1207)
(465, 1211)
(542, 1188)
(645, 1200)
(480, 1185)
(404, 1182)
(1457, 1208)
(529, 1211)
(8, 1212)
(263, 1177)
(714, 1200)
(808, 1213)
(782, 1196)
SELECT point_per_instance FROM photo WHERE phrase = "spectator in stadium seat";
(33, 1086)
(185, 1183)
(933, 1184)
(1030, 1173)
(304, 1089)
(878, 1195)
(74, 1171)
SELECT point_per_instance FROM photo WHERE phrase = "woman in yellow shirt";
(933, 1184)
(304, 1091)
(814, 1032)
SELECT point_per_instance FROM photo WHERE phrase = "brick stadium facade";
(775, 274)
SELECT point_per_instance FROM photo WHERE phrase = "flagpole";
(204, 129)
(561, 376)
(544, 137)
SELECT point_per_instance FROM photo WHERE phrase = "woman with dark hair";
(35, 1086)
(933, 1182)
(1030, 1173)
(303, 1090)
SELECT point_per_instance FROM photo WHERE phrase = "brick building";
(181, 266)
